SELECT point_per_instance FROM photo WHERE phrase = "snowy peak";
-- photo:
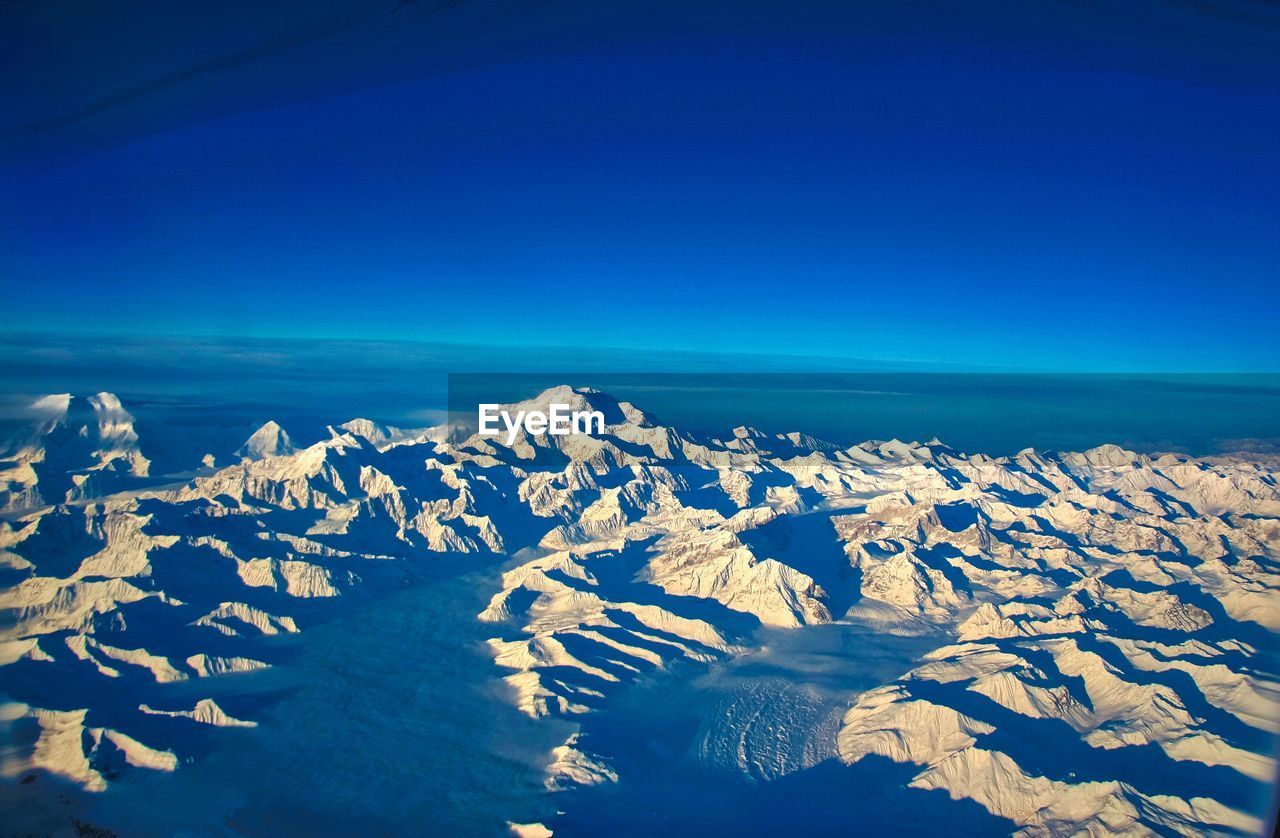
(52, 408)
(114, 423)
(74, 448)
(270, 440)
(577, 399)
(100, 419)
(367, 429)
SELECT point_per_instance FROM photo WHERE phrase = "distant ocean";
(193, 394)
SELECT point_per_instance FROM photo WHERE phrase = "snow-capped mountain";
(77, 448)
(1105, 621)
(270, 440)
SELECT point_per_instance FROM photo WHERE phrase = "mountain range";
(1092, 635)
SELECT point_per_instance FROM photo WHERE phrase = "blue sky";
(1062, 186)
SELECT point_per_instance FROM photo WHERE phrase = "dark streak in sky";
(303, 37)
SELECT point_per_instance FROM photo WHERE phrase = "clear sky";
(1059, 185)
